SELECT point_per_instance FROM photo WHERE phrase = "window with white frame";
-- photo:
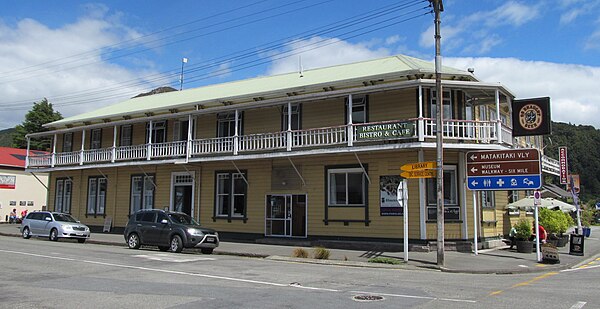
(231, 191)
(226, 124)
(68, 142)
(159, 131)
(142, 192)
(359, 109)
(126, 135)
(346, 187)
(64, 191)
(451, 206)
(96, 195)
(446, 101)
(96, 139)
(180, 129)
(296, 111)
(488, 199)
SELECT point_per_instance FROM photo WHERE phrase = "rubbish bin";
(576, 246)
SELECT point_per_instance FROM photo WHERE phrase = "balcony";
(374, 133)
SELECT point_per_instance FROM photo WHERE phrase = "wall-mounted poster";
(8, 181)
(22, 203)
(388, 186)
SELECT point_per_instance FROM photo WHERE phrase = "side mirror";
(164, 221)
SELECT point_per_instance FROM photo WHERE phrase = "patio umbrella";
(548, 202)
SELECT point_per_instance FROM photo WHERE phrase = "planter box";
(563, 240)
(524, 246)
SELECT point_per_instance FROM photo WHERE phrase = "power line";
(120, 92)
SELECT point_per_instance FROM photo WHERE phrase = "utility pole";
(183, 61)
(437, 8)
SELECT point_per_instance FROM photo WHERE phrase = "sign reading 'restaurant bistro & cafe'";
(385, 130)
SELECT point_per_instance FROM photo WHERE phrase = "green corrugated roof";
(400, 64)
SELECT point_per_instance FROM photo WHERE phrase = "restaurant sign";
(7, 181)
(387, 130)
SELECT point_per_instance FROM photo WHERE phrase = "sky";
(84, 55)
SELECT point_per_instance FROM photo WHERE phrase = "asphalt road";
(37, 273)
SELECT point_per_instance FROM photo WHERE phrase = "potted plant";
(567, 222)
(523, 228)
(556, 223)
(587, 217)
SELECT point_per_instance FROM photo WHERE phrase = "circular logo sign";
(530, 117)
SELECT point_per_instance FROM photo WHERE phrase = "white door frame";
(290, 219)
(173, 185)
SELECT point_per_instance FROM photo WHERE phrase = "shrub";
(555, 221)
(321, 253)
(385, 260)
(587, 217)
(523, 228)
(300, 253)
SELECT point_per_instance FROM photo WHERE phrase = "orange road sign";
(430, 173)
(419, 166)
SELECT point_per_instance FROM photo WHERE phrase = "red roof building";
(15, 157)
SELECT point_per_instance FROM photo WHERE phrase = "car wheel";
(206, 250)
(176, 244)
(81, 240)
(163, 248)
(133, 241)
(26, 233)
(53, 235)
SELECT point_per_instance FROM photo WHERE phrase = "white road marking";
(578, 305)
(228, 278)
(176, 258)
(415, 296)
(580, 268)
(524, 266)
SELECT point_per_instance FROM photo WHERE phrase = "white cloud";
(572, 88)
(333, 51)
(29, 72)
(511, 13)
(392, 40)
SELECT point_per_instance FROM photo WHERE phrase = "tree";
(41, 113)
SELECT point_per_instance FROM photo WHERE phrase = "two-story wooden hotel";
(311, 156)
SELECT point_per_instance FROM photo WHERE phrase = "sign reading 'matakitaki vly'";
(385, 130)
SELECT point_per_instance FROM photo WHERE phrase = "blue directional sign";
(514, 182)
(514, 169)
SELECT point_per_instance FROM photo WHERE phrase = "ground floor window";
(231, 194)
(96, 195)
(346, 187)
(64, 191)
(142, 192)
(451, 207)
(488, 199)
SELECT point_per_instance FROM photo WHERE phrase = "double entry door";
(285, 215)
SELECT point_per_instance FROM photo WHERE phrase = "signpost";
(402, 197)
(501, 170)
(515, 169)
(537, 202)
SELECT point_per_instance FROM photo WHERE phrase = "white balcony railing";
(67, 158)
(169, 149)
(135, 152)
(319, 137)
(212, 146)
(97, 155)
(40, 160)
(266, 141)
(464, 130)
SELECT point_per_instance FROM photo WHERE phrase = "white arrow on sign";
(473, 157)
(474, 183)
(473, 169)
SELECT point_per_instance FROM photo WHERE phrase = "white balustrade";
(507, 135)
(482, 131)
(319, 137)
(97, 155)
(212, 145)
(135, 152)
(40, 160)
(264, 141)
(67, 158)
(169, 149)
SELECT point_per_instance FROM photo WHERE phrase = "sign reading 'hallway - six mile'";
(514, 169)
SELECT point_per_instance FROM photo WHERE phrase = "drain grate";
(365, 298)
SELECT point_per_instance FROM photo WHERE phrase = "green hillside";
(583, 150)
(6, 137)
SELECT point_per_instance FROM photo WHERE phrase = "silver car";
(53, 225)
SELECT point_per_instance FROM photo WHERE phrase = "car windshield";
(64, 218)
(183, 219)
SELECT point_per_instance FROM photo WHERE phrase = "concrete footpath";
(501, 260)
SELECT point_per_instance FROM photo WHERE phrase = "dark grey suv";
(169, 231)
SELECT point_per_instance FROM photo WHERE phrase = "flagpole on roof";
(183, 61)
